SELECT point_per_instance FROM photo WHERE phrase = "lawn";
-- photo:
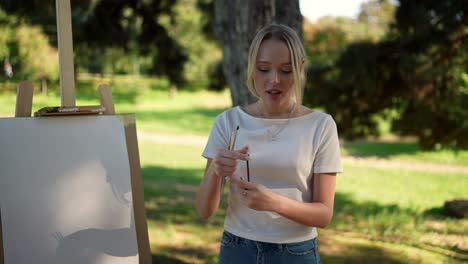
(376, 209)
(387, 214)
(408, 151)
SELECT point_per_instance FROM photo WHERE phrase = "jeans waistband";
(264, 246)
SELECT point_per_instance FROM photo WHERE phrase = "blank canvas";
(65, 191)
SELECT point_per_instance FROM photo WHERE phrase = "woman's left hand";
(255, 196)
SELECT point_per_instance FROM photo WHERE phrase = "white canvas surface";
(65, 192)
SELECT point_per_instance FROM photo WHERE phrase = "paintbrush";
(231, 145)
(232, 139)
(248, 170)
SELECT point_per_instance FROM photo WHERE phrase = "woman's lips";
(274, 93)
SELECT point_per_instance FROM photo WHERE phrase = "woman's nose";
(275, 78)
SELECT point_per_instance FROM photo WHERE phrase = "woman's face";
(273, 74)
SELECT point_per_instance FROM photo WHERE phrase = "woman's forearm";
(209, 193)
(317, 213)
(309, 214)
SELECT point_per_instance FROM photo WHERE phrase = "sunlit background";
(314, 9)
(392, 73)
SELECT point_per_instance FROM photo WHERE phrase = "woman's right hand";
(225, 162)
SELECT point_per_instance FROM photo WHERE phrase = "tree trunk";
(236, 22)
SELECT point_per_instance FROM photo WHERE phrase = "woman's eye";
(263, 70)
(286, 71)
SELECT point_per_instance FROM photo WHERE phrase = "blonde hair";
(296, 50)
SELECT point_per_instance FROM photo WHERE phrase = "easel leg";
(105, 94)
(1, 239)
(24, 99)
(139, 211)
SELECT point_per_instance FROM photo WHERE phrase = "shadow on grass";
(372, 217)
(170, 196)
(185, 255)
(357, 254)
(380, 149)
(438, 213)
(344, 202)
(171, 193)
(159, 259)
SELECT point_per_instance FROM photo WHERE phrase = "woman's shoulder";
(315, 117)
(230, 111)
(303, 110)
(228, 114)
(308, 112)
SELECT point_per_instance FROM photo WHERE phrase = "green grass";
(405, 151)
(401, 187)
(188, 113)
(399, 203)
(398, 212)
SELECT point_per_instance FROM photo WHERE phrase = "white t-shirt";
(283, 156)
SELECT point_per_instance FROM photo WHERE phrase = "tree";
(187, 29)
(434, 48)
(416, 70)
(130, 25)
(323, 44)
(236, 23)
(379, 13)
(28, 50)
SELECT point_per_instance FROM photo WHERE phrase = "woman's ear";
(302, 64)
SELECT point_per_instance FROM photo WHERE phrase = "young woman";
(293, 153)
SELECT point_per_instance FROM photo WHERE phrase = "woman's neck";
(285, 111)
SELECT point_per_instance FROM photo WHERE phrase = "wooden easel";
(1, 239)
(23, 109)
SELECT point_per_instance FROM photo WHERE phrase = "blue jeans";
(238, 250)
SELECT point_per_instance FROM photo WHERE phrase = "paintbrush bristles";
(235, 137)
(232, 139)
(230, 142)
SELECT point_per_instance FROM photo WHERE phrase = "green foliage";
(161, 38)
(416, 70)
(216, 79)
(436, 48)
(109, 61)
(186, 27)
(324, 44)
(216, 76)
(351, 90)
(355, 30)
(128, 27)
(28, 50)
(378, 13)
(133, 27)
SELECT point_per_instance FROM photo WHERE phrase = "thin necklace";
(271, 133)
